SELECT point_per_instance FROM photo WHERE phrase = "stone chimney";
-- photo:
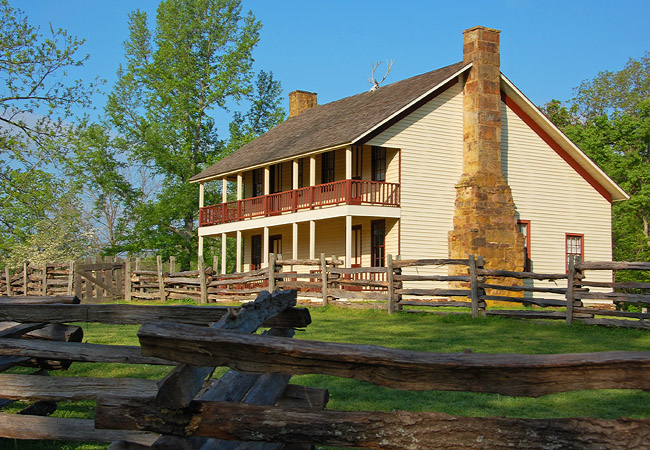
(485, 222)
(301, 101)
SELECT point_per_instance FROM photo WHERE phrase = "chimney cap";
(300, 91)
(480, 27)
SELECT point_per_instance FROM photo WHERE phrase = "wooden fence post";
(127, 279)
(44, 287)
(474, 293)
(8, 279)
(480, 264)
(272, 259)
(70, 277)
(400, 285)
(323, 274)
(203, 285)
(172, 264)
(26, 280)
(161, 283)
(570, 290)
(389, 279)
(215, 263)
(77, 284)
(119, 277)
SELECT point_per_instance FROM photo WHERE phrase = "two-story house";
(452, 162)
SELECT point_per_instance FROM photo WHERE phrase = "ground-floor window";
(575, 248)
(378, 250)
(524, 228)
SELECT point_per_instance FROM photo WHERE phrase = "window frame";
(258, 182)
(379, 164)
(327, 168)
(378, 252)
(527, 244)
(566, 248)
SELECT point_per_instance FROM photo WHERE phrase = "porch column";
(267, 180)
(223, 253)
(348, 241)
(312, 239)
(294, 246)
(265, 248)
(200, 246)
(224, 190)
(238, 261)
(201, 195)
(294, 174)
(348, 162)
(312, 171)
(239, 186)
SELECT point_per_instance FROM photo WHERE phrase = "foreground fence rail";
(253, 405)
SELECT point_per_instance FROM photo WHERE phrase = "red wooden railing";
(351, 192)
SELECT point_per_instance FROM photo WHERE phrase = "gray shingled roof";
(330, 125)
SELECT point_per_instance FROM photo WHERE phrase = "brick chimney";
(301, 101)
(485, 222)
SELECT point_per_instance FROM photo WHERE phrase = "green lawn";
(424, 332)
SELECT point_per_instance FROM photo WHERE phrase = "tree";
(195, 61)
(38, 102)
(609, 119)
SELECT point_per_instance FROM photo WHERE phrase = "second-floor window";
(258, 182)
(275, 182)
(378, 164)
(327, 168)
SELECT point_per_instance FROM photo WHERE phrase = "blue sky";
(328, 47)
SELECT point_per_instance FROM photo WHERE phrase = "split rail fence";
(402, 284)
(253, 405)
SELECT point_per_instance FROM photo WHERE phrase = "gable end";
(510, 103)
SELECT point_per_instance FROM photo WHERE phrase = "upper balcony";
(343, 192)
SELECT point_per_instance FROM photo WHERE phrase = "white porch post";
(239, 186)
(200, 246)
(294, 246)
(348, 162)
(223, 253)
(312, 239)
(294, 174)
(348, 241)
(239, 265)
(312, 172)
(224, 190)
(267, 180)
(265, 248)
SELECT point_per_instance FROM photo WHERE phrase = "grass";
(422, 332)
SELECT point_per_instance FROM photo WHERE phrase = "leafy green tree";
(38, 102)
(615, 93)
(195, 61)
(609, 118)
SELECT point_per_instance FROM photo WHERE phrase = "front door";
(356, 255)
(256, 252)
(275, 244)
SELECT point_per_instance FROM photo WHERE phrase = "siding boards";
(431, 140)
(556, 199)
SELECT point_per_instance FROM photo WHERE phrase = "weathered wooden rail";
(508, 374)
(253, 406)
(178, 388)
